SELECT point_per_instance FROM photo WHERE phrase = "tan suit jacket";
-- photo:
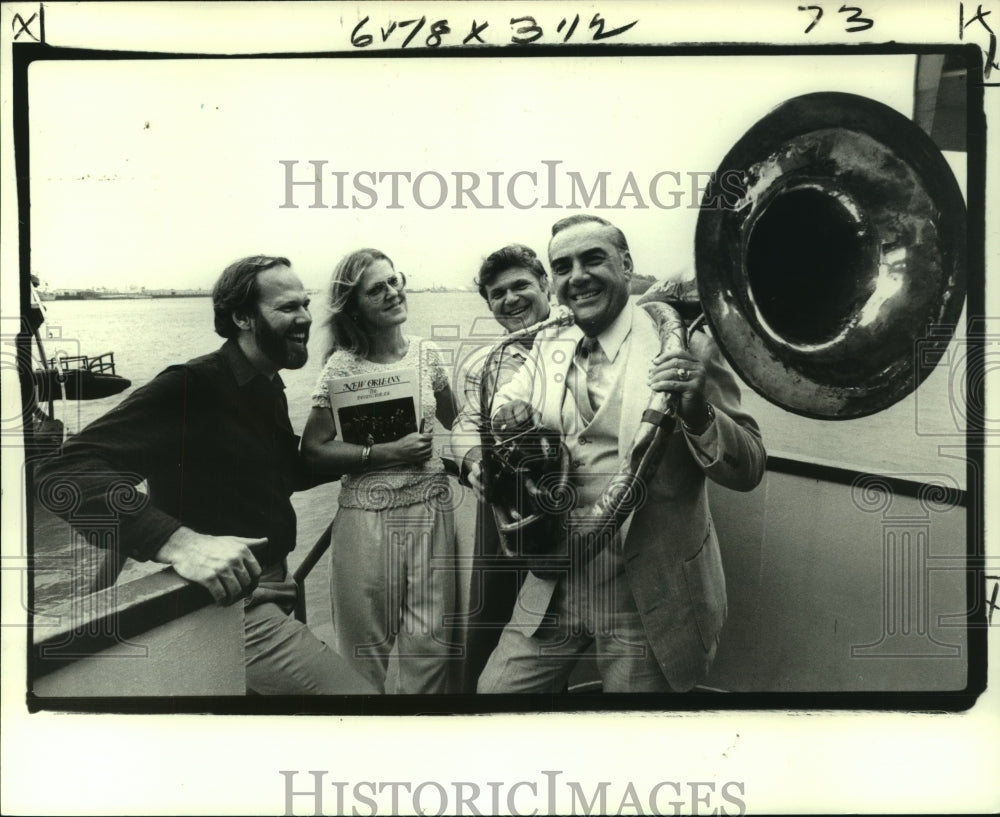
(671, 552)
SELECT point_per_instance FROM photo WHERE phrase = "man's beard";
(277, 347)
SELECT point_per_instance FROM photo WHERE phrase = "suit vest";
(593, 446)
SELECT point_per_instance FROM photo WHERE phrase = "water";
(149, 334)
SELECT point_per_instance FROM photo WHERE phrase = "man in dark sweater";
(212, 439)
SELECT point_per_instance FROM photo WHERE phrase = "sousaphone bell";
(833, 282)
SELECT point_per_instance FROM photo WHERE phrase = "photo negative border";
(25, 55)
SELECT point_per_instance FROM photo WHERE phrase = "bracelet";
(711, 419)
(366, 455)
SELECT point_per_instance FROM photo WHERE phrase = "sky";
(159, 173)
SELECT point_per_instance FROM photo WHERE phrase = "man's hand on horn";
(683, 373)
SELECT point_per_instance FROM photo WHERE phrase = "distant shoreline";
(116, 295)
(112, 295)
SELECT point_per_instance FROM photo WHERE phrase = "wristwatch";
(711, 419)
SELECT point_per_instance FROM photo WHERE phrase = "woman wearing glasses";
(392, 586)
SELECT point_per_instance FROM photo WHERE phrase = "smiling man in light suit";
(652, 601)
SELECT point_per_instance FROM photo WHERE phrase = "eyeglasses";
(380, 291)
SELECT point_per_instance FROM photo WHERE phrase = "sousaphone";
(834, 280)
(830, 266)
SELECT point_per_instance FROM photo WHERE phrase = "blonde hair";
(341, 323)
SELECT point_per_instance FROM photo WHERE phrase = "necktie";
(595, 367)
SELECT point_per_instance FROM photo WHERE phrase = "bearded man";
(214, 444)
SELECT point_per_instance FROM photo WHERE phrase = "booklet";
(375, 408)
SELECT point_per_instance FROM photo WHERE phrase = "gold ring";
(682, 374)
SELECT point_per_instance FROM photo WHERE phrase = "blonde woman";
(392, 590)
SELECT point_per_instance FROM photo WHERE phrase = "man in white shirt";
(652, 601)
